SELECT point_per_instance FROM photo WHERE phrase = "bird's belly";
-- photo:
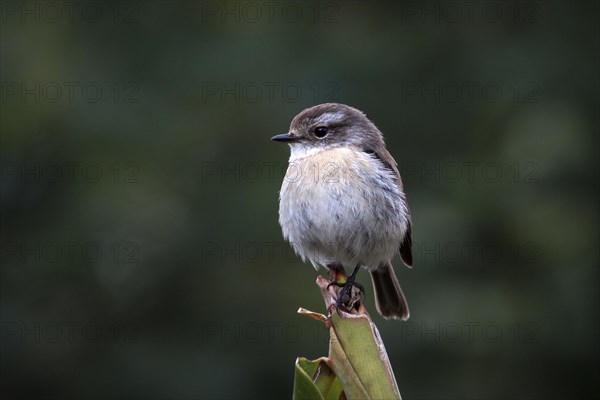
(340, 206)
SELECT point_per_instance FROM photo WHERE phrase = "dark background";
(141, 253)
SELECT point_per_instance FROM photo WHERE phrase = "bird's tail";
(389, 299)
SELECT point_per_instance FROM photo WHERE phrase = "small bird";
(342, 202)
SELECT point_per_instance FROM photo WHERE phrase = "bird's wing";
(388, 162)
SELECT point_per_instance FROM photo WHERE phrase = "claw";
(335, 283)
(346, 298)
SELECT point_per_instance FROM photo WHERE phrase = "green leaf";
(316, 380)
(359, 358)
(304, 387)
(357, 367)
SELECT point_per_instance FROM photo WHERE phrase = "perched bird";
(342, 202)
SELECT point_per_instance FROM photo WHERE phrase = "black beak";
(284, 137)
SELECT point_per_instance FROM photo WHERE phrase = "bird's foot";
(349, 296)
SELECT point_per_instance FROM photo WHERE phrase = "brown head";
(332, 125)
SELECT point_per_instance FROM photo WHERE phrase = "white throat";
(299, 151)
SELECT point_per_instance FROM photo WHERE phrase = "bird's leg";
(347, 298)
(337, 275)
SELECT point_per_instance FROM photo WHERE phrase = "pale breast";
(342, 205)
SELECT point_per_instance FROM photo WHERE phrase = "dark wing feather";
(388, 162)
(406, 247)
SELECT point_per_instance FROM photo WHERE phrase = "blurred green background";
(141, 253)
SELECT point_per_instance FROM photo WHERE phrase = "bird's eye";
(321, 132)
